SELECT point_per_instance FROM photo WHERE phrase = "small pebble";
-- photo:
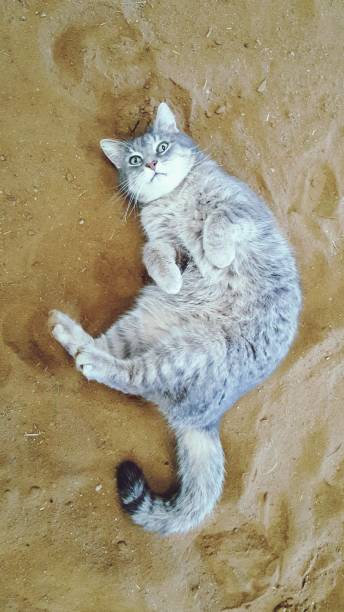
(220, 110)
(3, 157)
(69, 176)
(99, 487)
(262, 86)
(208, 113)
(81, 221)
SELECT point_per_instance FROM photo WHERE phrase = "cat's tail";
(200, 479)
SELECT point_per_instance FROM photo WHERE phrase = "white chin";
(161, 185)
(157, 187)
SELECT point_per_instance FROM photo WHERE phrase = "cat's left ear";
(113, 150)
(165, 119)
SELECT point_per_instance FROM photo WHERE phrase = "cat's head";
(153, 165)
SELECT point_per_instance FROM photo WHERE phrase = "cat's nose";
(152, 164)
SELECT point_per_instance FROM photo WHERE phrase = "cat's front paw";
(94, 364)
(159, 260)
(218, 242)
(172, 282)
(220, 258)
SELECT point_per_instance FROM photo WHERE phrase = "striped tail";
(201, 473)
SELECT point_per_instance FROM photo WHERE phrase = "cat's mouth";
(157, 174)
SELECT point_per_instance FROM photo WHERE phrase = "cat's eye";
(162, 147)
(135, 160)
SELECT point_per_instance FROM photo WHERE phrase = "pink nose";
(152, 164)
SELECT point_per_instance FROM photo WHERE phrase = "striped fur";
(200, 477)
(219, 317)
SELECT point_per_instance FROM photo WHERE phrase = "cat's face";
(153, 165)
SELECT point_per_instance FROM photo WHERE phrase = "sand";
(259, 83)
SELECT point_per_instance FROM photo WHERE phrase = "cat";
(207, 330)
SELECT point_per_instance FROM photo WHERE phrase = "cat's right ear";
(165, 119)
(113, 150)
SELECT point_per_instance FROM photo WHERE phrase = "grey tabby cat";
(220, 316)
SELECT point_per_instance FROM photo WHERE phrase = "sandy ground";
(260, 83)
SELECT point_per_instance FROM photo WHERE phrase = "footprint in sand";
(320, 221)
(325, 182)
(102, 62)
(319, 202)
(311, 458)
(328, 502)
(320, 575)
(240, 561)
(275, 516)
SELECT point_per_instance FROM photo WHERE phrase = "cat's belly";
(198, 301)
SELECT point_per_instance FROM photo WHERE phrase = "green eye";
(162, 147)
(135, 160)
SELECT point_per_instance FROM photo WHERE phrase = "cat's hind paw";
(67, 332)
(94, 364)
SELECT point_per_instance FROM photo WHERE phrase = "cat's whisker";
(138, 193)
(200, 162)
(129, 207)
(127, 192)
(134, 200)
(124, 183)
(199, 149)
(124, 192)
(127, 211)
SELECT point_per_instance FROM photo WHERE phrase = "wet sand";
(259, 83)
